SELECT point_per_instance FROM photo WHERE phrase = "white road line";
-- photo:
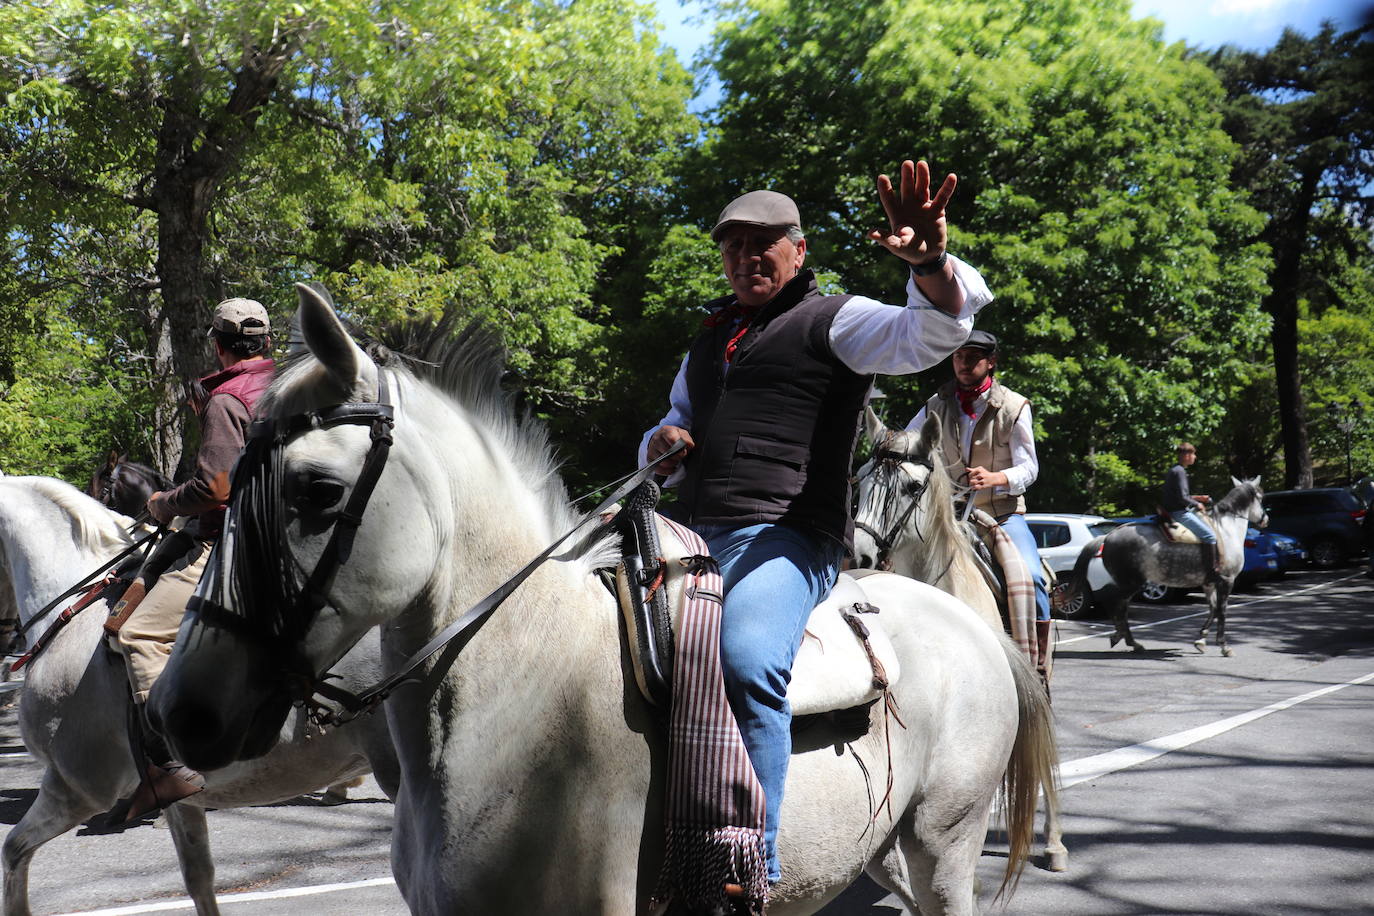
(1109, 629)
(1087, 768)
(223, 899)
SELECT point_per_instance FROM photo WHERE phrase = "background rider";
(1183, 506)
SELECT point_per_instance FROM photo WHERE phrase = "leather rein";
(308, 688)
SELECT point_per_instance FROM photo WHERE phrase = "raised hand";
(917, 232)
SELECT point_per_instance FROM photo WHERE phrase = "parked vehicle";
(1261, 560)
(1060, 537)
(1325, 519)
(1291, 553)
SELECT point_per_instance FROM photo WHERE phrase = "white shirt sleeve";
(679, 414)
(872, 338)
(1025, 465)
(917, 420)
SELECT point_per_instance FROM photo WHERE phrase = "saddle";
(846, 658)
(1172, 530)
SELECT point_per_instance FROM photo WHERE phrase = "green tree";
(1302, 114)
(417, 156)
(1094, 195)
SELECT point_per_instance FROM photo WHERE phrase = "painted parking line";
(1088, 768)
(1108, 628)
(167, 906)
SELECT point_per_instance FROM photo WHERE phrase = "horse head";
(1247, 499)
(890, 488)
(302, 570)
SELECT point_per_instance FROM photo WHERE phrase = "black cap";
(980, 340)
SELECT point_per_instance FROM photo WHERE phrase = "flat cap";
(758, 208)
(980, 340)
(241, 316)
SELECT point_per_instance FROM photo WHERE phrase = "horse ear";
(1237, 483)
(1255, 482)
(930, 434)
(325, 336)
(873, 427)
(111, 459)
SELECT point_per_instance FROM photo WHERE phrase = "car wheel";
(1076, 606)
(1155, 593)
(1326, 553)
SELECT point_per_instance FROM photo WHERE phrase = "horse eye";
(321, 493)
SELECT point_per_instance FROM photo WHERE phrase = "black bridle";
(888, 463)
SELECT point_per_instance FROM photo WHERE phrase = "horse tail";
(1033, 767)
(1078, 579)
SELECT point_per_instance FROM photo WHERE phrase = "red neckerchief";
(735, 311)
(968, 395)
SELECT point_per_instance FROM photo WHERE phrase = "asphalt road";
(1195, 784)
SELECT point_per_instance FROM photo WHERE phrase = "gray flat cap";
(757, 208)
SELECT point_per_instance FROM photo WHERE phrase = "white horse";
(532, 770)
(905, 521)
(74, 701)
(904, 517)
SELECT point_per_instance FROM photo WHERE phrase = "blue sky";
(1254, 24)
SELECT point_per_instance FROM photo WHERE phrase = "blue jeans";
(1189, 519)
(1016, 528)
(773, 576)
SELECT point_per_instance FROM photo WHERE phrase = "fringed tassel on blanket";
(715, 805)
(700, 861)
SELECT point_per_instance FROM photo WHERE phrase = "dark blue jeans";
(773, 576)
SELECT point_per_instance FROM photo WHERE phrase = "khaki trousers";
(147, 636)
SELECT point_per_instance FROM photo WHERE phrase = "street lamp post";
(1346, 418)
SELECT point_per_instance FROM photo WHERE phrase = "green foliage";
(417, 157)
(1093, 195)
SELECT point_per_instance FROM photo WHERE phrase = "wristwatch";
(930, 267)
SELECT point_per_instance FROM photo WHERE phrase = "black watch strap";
(930, 267)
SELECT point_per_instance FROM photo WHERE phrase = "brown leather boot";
(163, 779)
(1211, 563)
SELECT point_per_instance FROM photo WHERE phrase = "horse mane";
(100, 529)
(468, 367)
(1238, 500)
(945, 535)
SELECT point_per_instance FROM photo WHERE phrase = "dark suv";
(1326, 520)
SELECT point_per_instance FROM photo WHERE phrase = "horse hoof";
(1200, 645)
(1058, 861)
(1138, 649)
(1228, 652)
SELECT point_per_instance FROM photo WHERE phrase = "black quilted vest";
(775, 435)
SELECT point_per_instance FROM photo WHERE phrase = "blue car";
(1261, 559)
(1292, 555)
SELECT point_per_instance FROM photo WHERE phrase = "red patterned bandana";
(734, 312)
(968, 395)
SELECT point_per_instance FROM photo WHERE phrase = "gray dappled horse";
(1139, 553)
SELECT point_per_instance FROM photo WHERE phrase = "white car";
(1060, 538)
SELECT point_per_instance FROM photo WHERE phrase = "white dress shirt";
(1025, 465)
(870, 337)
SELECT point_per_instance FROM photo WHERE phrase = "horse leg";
(191, 837)
(1056, 853)
(337, 794)
(54, 811)
(1212, 590)
(1123, 627)
(932, 867)
(1223, 596)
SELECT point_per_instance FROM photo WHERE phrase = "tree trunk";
(1288, 241)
